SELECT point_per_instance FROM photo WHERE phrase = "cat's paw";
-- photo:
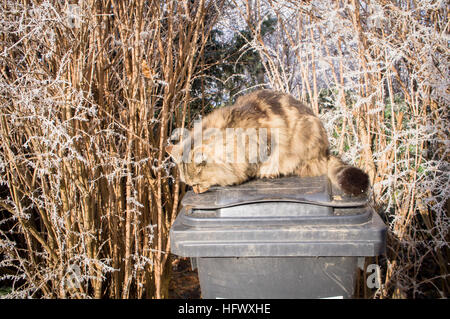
(269, 171)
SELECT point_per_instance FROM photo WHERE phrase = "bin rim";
(307, 190)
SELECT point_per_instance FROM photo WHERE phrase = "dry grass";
(383, 66)
(86, 105)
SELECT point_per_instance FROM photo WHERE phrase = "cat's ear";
(173, 151)
(169, 149)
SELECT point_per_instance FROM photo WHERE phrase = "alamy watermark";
(73, 16)
(229, 145)
(374, 278)
(72, 278)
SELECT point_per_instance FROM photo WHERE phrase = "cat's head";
(199, 166)
(209, 158)
(192, 167)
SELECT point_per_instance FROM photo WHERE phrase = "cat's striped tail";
(349, 179)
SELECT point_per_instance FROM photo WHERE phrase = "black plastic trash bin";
(282, 238)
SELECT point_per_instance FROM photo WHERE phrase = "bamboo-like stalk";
(391, 140)
(86, 109)
(95, 170)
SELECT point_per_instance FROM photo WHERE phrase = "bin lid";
(289, 216)
(314, 190)
(285, 201)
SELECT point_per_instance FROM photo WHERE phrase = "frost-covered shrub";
(88, 96)
(377, 73)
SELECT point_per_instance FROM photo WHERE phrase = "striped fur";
(302, 146)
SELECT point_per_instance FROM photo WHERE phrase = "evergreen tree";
(230, 67)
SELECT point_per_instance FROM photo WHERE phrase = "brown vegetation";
(89, 95)
(94, 95)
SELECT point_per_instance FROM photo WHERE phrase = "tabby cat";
(209, 155)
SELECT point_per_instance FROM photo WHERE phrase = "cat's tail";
(349, 179)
